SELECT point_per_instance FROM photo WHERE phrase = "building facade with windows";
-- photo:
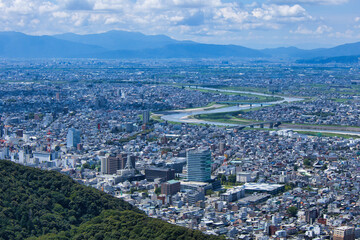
(198, 165)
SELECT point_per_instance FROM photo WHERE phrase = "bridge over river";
(186, 116)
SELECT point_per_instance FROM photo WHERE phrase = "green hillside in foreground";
(39, 204)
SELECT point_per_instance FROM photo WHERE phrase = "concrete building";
(311, 215)
(344, 233)
(198, 165)
(112, 163)
(146, 116)
(72, 138)
(44, 156)
(194, 196)
(243, 177)
(170, 187)
(165, 174)
(233, 194)
(109, 165)
(263, 188)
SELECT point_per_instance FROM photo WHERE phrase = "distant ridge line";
(122, 45)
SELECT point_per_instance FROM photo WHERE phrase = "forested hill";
(40, 204)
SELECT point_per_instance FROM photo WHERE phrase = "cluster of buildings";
(281, 78)
(243, 184)
(316, 112)
(182, 174)
(34, 100)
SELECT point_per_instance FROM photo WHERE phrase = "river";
(184, 116)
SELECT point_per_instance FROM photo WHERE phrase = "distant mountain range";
(122, 44)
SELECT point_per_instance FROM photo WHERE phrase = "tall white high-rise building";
(72, 138)
(198, 164)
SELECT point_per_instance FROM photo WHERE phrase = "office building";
(170, 187)
(72, 138)
(112, 163)
(194, 196)
(104, 168)
(177, 164)
(109, 165)
(232, 195)
(243, 177)
(311, 215)
(344, 233)
(198, 165)
(165, 174)
(221, 147)
(146, 116)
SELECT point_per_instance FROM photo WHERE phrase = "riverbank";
(229, 116)
(321, 127)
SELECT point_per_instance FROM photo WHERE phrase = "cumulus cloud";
(323, 29)
(320, 2)
(278, 12)
(172, 17)
(318, 31)
(302, 30)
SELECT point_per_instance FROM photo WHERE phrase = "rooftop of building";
(262, 186)
(172, 181)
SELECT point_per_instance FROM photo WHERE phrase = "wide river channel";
(184, 116)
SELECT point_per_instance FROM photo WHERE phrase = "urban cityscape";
(282, 164)
(179, 120)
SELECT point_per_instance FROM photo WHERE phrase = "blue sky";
(251, 23)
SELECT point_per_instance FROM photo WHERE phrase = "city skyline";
(265, 150)
(256, 24)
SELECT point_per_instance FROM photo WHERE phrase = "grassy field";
(350, 90)
(240, 88)
(335, 127)
(322, 134)
(341, 100)
(318, 134)
(227, 117)
(258, 99)
(156, 118)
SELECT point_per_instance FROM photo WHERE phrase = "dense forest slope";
(48, 205)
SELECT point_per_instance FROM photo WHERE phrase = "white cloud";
(318, 2)
(278, 12)
(322, 29)
(232, 14)
(357, 19)
(302, 30)
(346, 34)
(60, 14)
(190, 18)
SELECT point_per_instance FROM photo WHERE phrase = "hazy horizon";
(300, 46)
